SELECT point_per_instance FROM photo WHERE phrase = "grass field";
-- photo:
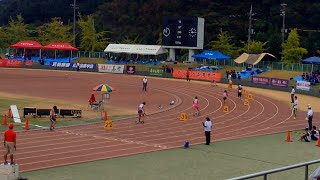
(220, 160)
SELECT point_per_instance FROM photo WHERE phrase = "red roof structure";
(60, 47)
(27, 45)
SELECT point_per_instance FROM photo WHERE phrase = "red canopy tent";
(27, 45)
(60, 47)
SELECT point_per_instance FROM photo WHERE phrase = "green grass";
(280, 74)
(220, 160)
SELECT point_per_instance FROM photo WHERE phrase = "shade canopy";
(136, 49)
(27, 45)
(214, 55)
(252, 58)
(60, 47)
(103, 88)
(311, 60)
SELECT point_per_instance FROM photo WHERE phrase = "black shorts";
(239, 94)
(313, 137)
(52, 119)
(306, 139)
(224, 98)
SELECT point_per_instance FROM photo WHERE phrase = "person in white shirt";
(314, 133)
(145, 83)
(309, 116)
(207, 129)
(293, 91)
(141, 112)
(196, 106)
(295, 107)
(78, 66)
(239, 91)
(306, 136)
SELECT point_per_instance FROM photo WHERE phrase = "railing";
(265, 174)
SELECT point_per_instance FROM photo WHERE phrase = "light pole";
(283, 14)
(250, 24)
(74, 21)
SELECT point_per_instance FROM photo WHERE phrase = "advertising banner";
(28, 63)
(197, 75)
(10, 63)
(153, 71)
(279, 82)
(260, 80)
(131, 69)
(111, 68)
(303, 85)
(72, 65)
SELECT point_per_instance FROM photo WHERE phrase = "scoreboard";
(183, 32)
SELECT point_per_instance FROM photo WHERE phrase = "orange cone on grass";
(318, 142)
(9, 113)
(5, 120)
(288, 137)
(105, 117)
(27, 124)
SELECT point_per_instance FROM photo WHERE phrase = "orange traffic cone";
(105, 117)
(27, 124)
(9, 113)
(5, 120)
(288, 136)
(318, 142)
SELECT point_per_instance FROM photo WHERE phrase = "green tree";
(15, 31)
(127, 40)
(55, 31)
(224, 45)
(90, 39)
(254, 47)
(291, 50)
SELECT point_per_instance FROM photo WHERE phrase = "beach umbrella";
(103, 88)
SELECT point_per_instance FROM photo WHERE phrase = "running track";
(40, 149)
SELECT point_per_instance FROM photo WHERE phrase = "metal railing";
(265, 174)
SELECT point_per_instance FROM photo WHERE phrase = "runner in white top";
(141, 112)
(196, 106)
(295, 107)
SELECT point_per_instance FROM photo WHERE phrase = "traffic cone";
(5, 120)
(27, 124)
(288, 136)
(9, 113)
(105, 117)
(318, 142)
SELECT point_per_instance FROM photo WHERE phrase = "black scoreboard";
(182, 32)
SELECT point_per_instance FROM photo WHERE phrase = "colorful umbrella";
(103, 88)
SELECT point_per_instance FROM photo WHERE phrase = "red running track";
(40, 149)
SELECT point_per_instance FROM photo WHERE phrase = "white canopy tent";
(135, 49)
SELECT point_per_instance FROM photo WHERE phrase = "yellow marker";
(225, 109)
(183, 117)
(249, 96)
(108, 125)
(244, 91)
(246, 102)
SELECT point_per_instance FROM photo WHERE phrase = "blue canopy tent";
(211, 55)
(311, 60)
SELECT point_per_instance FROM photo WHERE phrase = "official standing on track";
(9, 143)
(293, 91)
(207, 129)
(309, 117)
(295, 107)
(145, 83)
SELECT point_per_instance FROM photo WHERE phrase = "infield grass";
(220, 160)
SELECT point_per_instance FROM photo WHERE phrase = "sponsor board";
(28, 62)
(72, 65)
(111, 68)
(156, 71)
(131, 69)
(10, 63)
(260, 80)
(197, 75)
(303, 85)
(279, 82)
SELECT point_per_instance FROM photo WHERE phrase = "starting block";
(249, 96)
(225, 109)
(246, 102)
(9, 172)
(183, 117)
(108, 125)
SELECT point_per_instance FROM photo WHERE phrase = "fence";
(266, 173)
